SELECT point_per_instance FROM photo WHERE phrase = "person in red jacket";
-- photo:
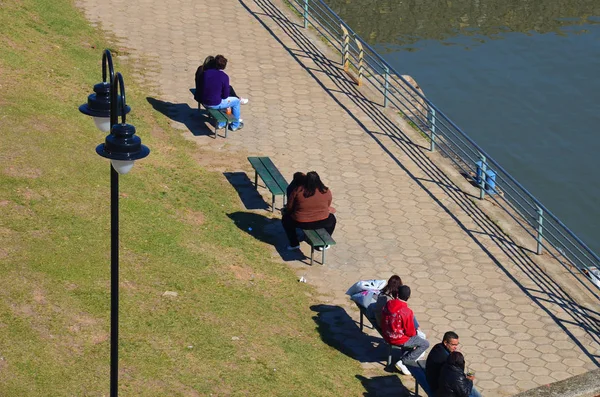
(398, 328)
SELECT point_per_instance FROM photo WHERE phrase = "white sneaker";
(321, 248)
(402, 368)
(290, 248)
(243, 101)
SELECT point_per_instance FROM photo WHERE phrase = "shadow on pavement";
(268, 230)
(546, 292)
(250, 197)
(341, 332)
(383, 386)
(195, 120)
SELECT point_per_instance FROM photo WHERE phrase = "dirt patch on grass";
(214, 160)
(194, 218)
(22, 172)
(244, 273)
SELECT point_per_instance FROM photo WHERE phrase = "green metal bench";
(216, 116)
(274, 181)
(318, 238)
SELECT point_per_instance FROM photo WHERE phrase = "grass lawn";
(175, 236)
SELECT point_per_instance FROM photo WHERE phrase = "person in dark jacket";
(216, 92)
(437, 358)
(209, 63)
(453, 382)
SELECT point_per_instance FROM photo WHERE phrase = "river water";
(518, 76)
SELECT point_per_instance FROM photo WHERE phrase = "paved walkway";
(398, 212)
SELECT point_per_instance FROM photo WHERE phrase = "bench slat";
(327, 239)
(264, 174)
(217, 115)
(314, 238)
(277, 177)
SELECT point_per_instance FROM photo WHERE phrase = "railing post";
(432, 127)
(481, 173)
(540, 230)
(305, 14)
(386, 85)
(361, 55)
(345, 48)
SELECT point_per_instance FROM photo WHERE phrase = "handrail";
(548, 231)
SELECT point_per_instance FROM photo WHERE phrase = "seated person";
(209, 63)
(452, 381)
(308, 208)
(398, 328)
(297, 181)
(215, 91)
(375, 310)
(384, 297)
(437, 358)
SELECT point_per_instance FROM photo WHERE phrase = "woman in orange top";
(309, 208)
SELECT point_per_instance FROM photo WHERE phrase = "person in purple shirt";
(216, 91)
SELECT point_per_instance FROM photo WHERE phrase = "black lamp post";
(122, 147)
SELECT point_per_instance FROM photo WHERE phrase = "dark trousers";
(290, 225)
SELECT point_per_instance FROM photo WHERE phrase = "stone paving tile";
(398, 212)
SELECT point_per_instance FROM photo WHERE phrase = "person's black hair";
(220, 62)
(404, 292)
(391, 288)
(209, 63)
(456, 359)
(312, 183)
(449, 335)
(298, 178)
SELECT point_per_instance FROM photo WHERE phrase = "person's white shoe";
(402, 368)
(321, 248)
(243, 101)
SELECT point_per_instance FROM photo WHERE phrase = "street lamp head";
(98, 103)
(122, 147)
(98, 106)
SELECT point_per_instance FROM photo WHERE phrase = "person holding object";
(308, 208)
(216, 92)
(437, 359)
(453, 381)
(398, 328)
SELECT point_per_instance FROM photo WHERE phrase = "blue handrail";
(548, 231)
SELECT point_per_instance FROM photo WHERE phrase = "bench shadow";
(383, 386)
(245, 189)
(269, 231)
(341, 332)
(194, 120)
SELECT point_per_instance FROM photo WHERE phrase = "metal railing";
(365, 65)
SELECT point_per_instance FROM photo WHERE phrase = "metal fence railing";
(366, 66)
